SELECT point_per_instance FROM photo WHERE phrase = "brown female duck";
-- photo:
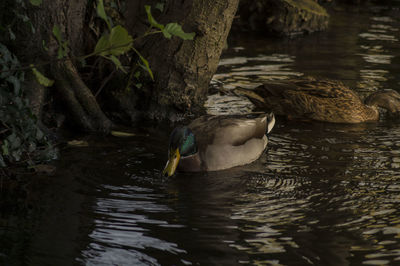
(322, 100)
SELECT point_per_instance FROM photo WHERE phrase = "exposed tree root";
(79, 99)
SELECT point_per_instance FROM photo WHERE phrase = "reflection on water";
(382, 34)
(328, 200)
(322, 194)
(337, 196)
(120, 221)
(363, 54)
(246, 72)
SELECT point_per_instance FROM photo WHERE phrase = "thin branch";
(147, 34)
(105, 81)
(65, 58)
(82, 57)
(5, 125)
(4, 131)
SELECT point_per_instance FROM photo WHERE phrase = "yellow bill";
(172, 163)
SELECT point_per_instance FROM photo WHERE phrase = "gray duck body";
(226, 141)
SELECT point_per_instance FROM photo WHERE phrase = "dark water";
(322, 194)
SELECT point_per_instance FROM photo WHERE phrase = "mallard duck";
(212, 143)
(321, 100)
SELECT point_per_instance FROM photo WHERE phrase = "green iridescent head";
(182, 143)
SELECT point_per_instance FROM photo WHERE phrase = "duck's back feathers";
(228, 129)
(228, 141)
(308, 98)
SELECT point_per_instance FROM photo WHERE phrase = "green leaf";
(117, 63)
(151, 20)
(137, 74)
(32, 147)
(2, 163)
(160, 6)
(146, 66)
(102, 13)
(16, 154)
(16, 143)
(176, 30)
(11, 138)
(57, 33)
(4, 148)
(36, 2)
(41, 78)
(44, 45)
(22, 17)
(62, 50)
(122, 134)
(78, 143)
(120, 40)
(116, 43)
(39, 134)
(60, 53)
(11, 33)
(16, 84)
(102, 46)
(33, 30)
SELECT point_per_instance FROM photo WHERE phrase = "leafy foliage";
(20, 137)
(151, 19)
(118, 42)
(41, 78)
(21, 140)
(145, 65)
(174, 29)
(62, 44)
(169, 30)
(36, 2)
(102, 13)
(15, 14)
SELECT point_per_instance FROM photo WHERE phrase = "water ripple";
(120, 232)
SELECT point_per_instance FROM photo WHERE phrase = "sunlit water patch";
(380, 39)
(121, 228)
(248, 73)
(338, 191)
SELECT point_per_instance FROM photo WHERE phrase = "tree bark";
(70, 17)
(183, 69)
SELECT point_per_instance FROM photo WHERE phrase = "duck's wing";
(308, 87)
(228, 129)
(228, 141)
(309, 98)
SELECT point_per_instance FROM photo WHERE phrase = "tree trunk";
(183, 69)
(70, 17)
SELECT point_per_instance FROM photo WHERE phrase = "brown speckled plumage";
(322, 100)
